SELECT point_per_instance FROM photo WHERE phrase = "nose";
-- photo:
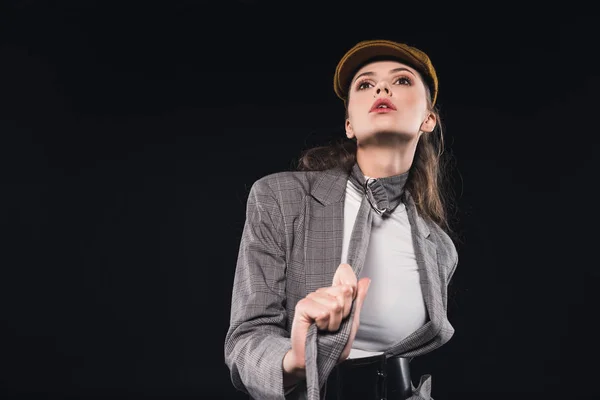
(383, 89)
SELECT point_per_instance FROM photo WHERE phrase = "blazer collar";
(330, 186)
(384, 194)
(388, 192)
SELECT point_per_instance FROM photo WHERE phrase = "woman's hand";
(327, 307)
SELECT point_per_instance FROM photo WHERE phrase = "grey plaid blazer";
(291, 245)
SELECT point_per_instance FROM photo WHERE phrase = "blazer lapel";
(324, 228)
(427, 263)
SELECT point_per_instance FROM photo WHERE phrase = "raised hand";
(327, 307)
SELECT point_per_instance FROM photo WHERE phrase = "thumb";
(344, 275)
(362, 289)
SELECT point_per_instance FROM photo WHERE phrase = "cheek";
(359, 101)
(417, 107)
(351, 108)
(352, 114)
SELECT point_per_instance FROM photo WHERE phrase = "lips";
(382, 104)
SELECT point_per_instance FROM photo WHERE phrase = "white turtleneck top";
(394, 306)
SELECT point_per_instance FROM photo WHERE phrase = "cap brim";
(359, 55)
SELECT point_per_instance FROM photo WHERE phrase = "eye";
(364, 85)
(403, 80)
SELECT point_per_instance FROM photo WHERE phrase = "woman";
(344, 265)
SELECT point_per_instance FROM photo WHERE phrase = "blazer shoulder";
(326, 186)
(287, 181)
(444, 243)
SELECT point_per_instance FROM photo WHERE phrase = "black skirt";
(370, 378)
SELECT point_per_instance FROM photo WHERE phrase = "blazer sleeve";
(453, 267)
(257, 338)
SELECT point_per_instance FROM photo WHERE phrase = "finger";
(344, 294)
(313, 311)
(363, 287)
(300, 326)
(344, 275)
(334, 305)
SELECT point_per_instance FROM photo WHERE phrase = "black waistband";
(375, 377)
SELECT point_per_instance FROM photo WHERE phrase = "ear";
(349, 130)
(429, 124)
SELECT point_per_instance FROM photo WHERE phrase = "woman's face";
(387, 98)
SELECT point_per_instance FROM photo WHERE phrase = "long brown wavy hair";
(429, 179)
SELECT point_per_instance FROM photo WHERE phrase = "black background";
(132, 131)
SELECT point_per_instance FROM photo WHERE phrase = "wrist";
(293, 371)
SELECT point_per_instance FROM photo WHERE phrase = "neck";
(382, 161)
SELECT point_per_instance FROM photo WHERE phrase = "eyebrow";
(369, 73)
